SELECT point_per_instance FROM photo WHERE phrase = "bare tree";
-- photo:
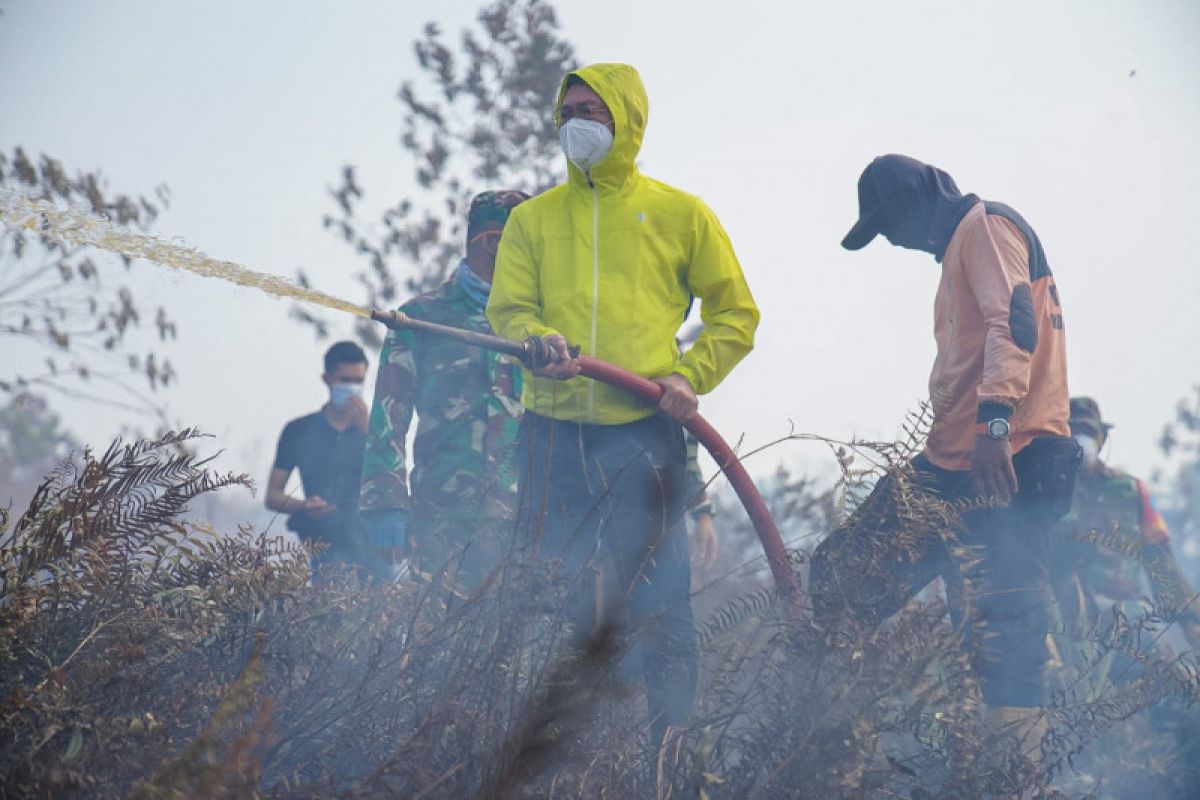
(480, 117)
(70, 302)
(32, 443)
(1180, 444)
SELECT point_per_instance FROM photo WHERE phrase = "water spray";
(77, 226)
(81, 227)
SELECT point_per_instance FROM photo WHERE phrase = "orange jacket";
(1000, 338)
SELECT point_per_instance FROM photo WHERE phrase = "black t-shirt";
(330, 461)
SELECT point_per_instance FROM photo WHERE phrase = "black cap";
(870, 212)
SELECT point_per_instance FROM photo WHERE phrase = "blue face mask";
(340, 393)
(474, 286)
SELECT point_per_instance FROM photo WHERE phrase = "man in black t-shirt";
(327, 448)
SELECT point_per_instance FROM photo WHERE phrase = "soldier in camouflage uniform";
(454, 512)
(1112, 534)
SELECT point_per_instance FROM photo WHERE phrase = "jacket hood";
(918, 205)
(621, 89)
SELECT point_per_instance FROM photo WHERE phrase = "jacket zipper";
(595, 291)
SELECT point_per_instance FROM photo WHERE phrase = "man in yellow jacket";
(610, 262)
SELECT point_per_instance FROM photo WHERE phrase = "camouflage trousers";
(459, 550)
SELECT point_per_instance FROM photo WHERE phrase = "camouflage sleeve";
(385, 467)
(1154, 527)
(1172, 591)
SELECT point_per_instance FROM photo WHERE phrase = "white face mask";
(585, 141)
(1091, 450)
(340, 393)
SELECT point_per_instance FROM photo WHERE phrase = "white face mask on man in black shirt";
(340, 393)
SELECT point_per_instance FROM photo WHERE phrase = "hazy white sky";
(767, 110)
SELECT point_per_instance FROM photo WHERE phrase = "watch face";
(998, 429)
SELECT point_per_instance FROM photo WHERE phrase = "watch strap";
(990, 410)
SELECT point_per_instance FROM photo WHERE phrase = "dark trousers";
(602, 506)
(344, 541)
(999, 587)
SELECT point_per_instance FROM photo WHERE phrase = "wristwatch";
(996, 429)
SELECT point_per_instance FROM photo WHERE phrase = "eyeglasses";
(597, 112)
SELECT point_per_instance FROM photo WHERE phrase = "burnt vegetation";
(146, 655)
(143, 655)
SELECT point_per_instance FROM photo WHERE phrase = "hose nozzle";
(527, 352)
(533, 352)
(393, 320)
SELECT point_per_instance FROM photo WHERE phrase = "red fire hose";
(727, 460)
(532, 351)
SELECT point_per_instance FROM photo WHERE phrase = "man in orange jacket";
(999, 436)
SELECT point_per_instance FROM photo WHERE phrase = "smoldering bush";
(149, 657)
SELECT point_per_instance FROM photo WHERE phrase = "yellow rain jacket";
(611, 260)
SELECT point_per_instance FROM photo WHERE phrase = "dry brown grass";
(143, 656)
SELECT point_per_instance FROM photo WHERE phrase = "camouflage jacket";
(1111, 520)
(467, 417)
